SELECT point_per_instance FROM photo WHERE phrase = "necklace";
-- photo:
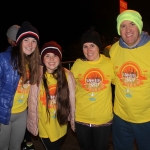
(26, 85)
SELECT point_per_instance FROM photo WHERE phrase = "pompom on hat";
(51, 47)
(27, 30)
(131, 15)
(12, 32)
(91, 36)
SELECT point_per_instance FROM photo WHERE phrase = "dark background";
(66, 20)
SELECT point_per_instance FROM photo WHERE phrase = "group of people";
(38, 93)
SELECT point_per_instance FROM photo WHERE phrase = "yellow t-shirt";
(21, 96)
(93, 90)
(49, 128)
(132, 95)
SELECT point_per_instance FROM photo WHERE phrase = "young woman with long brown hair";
(19, 68)
(56, 98)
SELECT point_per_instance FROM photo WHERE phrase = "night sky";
(66, 20)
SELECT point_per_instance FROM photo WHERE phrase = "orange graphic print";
(23, 88)
(52, 100)
(94, 80)
(130, 74)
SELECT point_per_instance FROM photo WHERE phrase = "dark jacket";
(9, 79)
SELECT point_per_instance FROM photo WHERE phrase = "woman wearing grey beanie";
(11, 34)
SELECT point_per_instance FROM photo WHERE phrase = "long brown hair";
(19, 61)
(62, 94)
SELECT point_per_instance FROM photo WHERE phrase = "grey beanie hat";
(12, 32)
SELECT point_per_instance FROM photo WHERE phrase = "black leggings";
(56, 145)
(90, 138)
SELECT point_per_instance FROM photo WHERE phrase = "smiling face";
(91, 51)
(129, 33)
(29, 44)
(51, 61)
